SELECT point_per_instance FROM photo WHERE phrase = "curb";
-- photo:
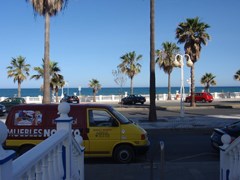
(162, 108)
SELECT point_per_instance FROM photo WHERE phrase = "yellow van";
(105, 131)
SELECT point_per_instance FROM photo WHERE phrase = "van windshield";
(121, 117)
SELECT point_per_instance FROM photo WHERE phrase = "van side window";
(100, 118)
(27, 118)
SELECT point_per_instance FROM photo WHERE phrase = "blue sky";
(89, 36)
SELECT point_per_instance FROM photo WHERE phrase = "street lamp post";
(67, 85)
(179, 63)
(189, 83)
(62, 93)
(79, 92)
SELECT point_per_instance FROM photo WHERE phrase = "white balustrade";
(230, 158)
(116, 98)
(46, 160)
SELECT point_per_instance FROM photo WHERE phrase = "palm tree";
(165, 60)
(56, 79)
(47, 8)
(207, 80)
(193, 34)
(237, 76)
(19, 70)
(94, 83)
(130, 66)
(152, 109)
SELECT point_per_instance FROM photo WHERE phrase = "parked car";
(200, 97)
(232, 130)
(12, 101)
(70, 99)
(133, 99)
(2, 110)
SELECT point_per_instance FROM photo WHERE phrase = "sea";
(33, 92)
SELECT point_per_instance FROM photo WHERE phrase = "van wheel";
(24, 149)
(124, 154)
(203, 100)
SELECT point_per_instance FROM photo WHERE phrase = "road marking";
(231, 116)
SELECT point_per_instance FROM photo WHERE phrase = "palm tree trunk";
(56, 94)
(131, 85)
(208, 86)
(94, 97)
(19, 89)
(169, 86)
(193, 104)
(152, 110)
(46, 80)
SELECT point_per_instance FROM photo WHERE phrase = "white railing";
(225, 95)
(58, 157)
(230, 159)
(116, 98)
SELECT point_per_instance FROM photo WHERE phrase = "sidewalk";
(188, 121)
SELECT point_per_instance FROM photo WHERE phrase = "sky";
(88, 38)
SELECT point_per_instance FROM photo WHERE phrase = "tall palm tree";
(193, 34)
(56, 79)
(94, 84)
(237, 75)
(19, 70)
(130, 66)
(165, 60)
(152, 110)
(207, 80)
(47, 8)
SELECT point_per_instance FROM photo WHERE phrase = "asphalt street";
(187, 154)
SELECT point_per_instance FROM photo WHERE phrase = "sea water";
(33, 92)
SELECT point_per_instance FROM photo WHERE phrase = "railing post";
(65, 122)
(27, 99)
(224, 158)
(80, 162)
(6, 156)
(40, 99)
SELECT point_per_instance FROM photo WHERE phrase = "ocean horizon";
(33, 92)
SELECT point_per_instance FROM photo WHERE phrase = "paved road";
(188, 154)
(191, 146)
(182, 146)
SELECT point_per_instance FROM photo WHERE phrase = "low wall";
(117, 98)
